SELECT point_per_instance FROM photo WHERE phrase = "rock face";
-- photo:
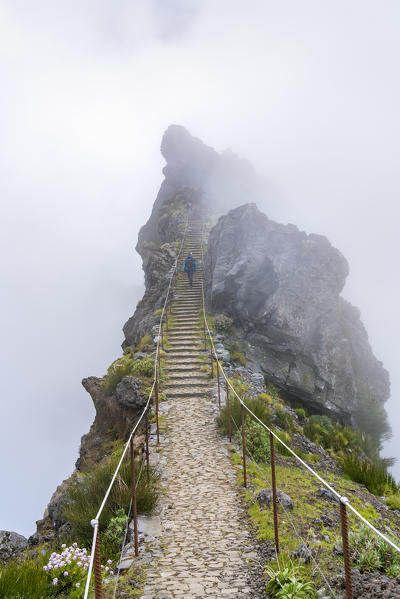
(196, 178)
(11, 545)
(282, 287)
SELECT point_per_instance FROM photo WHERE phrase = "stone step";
(188, 375)
(183, 364)
(186, 392)
(183, 354)
(187, 382)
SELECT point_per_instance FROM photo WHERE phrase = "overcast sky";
(307, 91)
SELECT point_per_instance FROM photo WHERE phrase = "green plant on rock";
(143, 368)
(370, 553)
(222, 323)
(116, 372)
(116, 529)
(237, 354)
(288, 580)
(23, 578)
(393, 502)
(285, 420)
(301, 413)
(145, 344)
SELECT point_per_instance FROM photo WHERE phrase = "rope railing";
(94, 563)
(343, 501)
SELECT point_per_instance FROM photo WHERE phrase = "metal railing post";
(274, 494)
(146, 424)
(97, 567)
(135, 525)
(158, 430)
(228, 409)
(166, 317)
(162, 334)
(219, 386)
(244, 447)
(346, 550)
(212, 361)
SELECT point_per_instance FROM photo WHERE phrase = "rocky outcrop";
(11, 545)
(282, 287)
(197, 180)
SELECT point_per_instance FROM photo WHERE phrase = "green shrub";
(237, 354)
(24, 578)
(288, 580)
(157, 312)
(373, 475)
(257, 441)
(285, 437)
(393, 502)
(273, 392)
(284, 420)
(143, 368)
(84, 497)
(115, 373)
(301, 413)
(145, 344)
(370, 553)
(116, 529)
(257, 406)
(222, 323)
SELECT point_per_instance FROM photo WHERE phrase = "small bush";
(393, 502)
(373, 475)
(265, 397)
(145, 344)
(370, 553)
(237, 355)
(284, 420)
(157, 312)
(301, 413)
(285, 437)
(222, 323)
(288, 580)
(257, 406)
(143, 368)
(257, 441)
(115, 373)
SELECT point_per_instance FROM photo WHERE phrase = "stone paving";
(205, 548)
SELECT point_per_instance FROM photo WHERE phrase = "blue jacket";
(187, 265)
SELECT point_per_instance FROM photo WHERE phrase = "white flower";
(63, 545)
(55, 580)
(78, 584)
(109, 562)
(65, 573)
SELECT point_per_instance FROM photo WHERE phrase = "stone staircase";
(185, 363)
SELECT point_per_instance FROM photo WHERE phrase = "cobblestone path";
(205, 548)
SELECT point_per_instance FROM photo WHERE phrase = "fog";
(308, 92)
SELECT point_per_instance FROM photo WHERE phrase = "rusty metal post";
(162, 334)
(166, 317)
(158, 430)
(97, 567)
(274, 495)
(205, 336)
(212, 361)
(159, 361)
(219, 386)
(228, 409)
(135, 525)
(244, 448)
(346, 550)
(146, 424)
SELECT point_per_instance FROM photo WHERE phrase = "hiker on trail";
(190, 266)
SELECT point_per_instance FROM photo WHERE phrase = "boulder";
(328, 495)
(128, 393)
(302, 552)
(12, 544)
(264, 498)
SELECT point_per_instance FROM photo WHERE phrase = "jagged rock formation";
(12, 544)
(197, 176)
(282, 287)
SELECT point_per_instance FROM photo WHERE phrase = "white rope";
(342, 499)
(95, 521)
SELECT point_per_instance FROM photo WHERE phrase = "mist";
(308, 92)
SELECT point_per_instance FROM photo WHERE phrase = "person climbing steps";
(190, 267)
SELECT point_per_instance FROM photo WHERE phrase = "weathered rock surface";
(283, 288)
(12, 544)
(265, 498)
